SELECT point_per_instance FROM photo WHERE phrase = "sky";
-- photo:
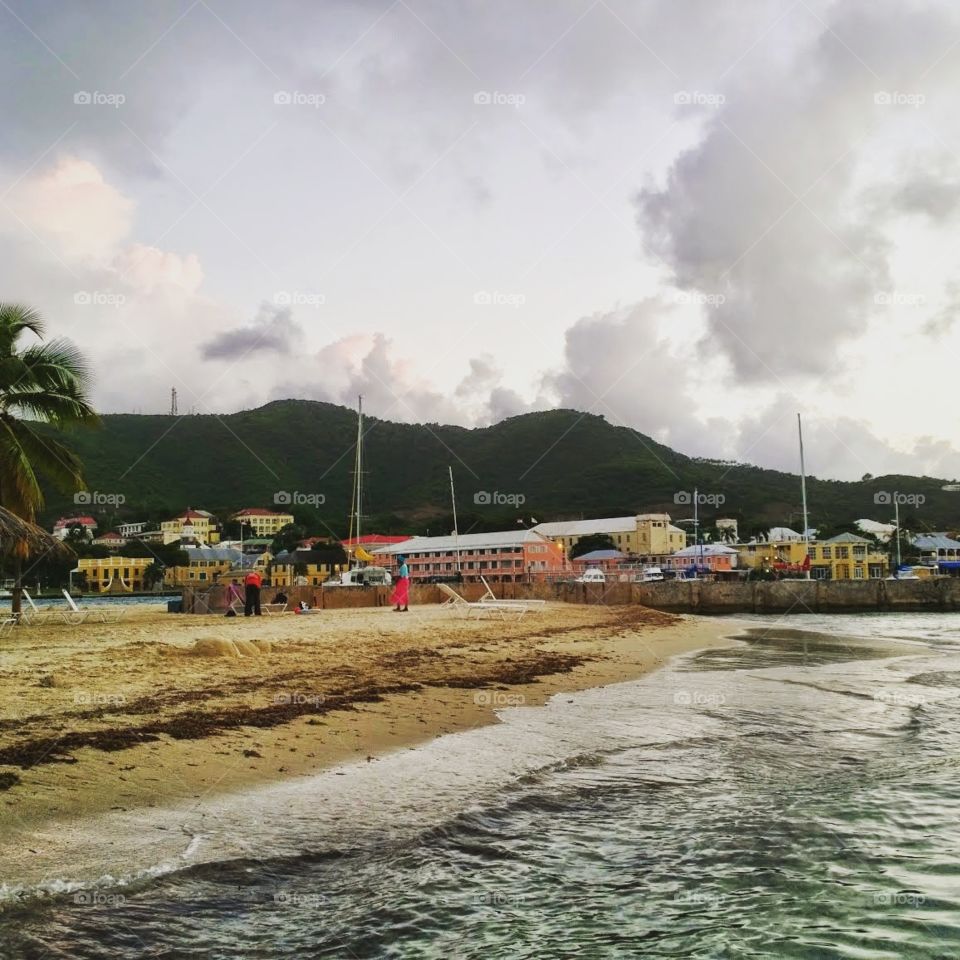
(694, 218)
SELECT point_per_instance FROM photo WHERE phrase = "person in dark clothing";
(251, 602)
(281, 597)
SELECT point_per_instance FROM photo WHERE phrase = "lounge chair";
(7, 625)
(33, 614)
(100, 612)
(481, 608)
(530, 606)
(274, 609)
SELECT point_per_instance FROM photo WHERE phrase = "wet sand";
(161, 707)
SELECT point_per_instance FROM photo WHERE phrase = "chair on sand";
(32, 613)
(274, 608)
(529, 606)
(7, 625)
(99, 612)
(500, 608)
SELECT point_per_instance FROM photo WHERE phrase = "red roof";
(189, 514)
(375, 539)
(258, 512)
(110, 535)
(71, 521)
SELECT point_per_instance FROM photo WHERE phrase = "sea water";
(793, 794)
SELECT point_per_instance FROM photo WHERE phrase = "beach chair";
(274, 609)
(7, 625)
(32, 614)
(529, 606)
(100, 612)
(480, 608)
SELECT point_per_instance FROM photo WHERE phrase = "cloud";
(272, 331)
(764, 212)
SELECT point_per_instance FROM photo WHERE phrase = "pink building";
(511, 555)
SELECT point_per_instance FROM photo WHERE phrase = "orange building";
(504, 556)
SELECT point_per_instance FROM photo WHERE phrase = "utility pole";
(803, 493)
(456, 532)
(173, 401)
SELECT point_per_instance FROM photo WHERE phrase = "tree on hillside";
(591, 542)
(287, 538)
(40, 383)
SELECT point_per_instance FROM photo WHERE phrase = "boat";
(359, 572)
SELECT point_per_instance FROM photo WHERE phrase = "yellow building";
(263, 523)
(206, 565)
(113, 574)
(199, 525)
(764, 554)
(306, 567)
(646, 534)
(847, 557)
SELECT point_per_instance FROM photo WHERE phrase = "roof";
(596, 555)
(583, 528)
(847, 538)
(466, 541)
(936, 541)
(190, 514)
(71, 521)
(213, 553)
(260, 512)
(783, 533)
(705, 550)
(110, 535)
(374, 538)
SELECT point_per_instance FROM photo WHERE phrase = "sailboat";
(359, 572)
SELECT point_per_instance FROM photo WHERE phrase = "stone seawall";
(676, 596)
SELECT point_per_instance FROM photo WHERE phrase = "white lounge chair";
(33, 614)
(528, 605)
(101, 612)
(480, 608)
(275, 609)
(7, 625)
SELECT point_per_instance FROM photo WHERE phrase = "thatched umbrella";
(20, 539)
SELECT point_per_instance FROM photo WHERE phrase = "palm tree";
(40, 383)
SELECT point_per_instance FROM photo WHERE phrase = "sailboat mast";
(803, 488)
(359, 462)
(456, 531)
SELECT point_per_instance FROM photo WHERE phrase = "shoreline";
(289, 708)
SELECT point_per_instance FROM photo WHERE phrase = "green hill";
(562, 463)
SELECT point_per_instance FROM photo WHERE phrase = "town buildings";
(504, 556)
(847, 557)
(263, 523)
(112, 574)
(645, 535)
(63, 526)
(198, 526)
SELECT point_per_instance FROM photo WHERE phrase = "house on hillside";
(847, 557)
(63, 526)
(263, 523)
(646, 536)
(192, 526)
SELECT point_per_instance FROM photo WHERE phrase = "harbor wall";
(676, 596)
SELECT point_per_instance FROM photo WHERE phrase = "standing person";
(401, 592)
(251, 603)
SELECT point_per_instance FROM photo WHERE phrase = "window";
(828, 553)
(858, 572)
(843, 553)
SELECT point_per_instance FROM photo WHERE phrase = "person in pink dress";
(400, 597)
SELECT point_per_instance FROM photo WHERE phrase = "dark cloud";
(273, 331)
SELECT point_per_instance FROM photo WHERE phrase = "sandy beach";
(164, 707)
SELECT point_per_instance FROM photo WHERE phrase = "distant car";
(592, 575)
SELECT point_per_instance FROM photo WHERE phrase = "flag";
(806, 562)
